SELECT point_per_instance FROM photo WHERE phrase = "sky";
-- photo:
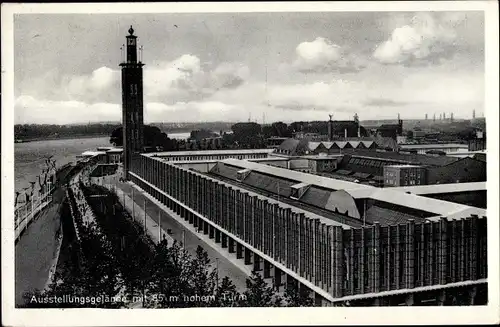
(258, 66)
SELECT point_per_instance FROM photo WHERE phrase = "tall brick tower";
(132, 103)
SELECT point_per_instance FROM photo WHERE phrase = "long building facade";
(337, 262)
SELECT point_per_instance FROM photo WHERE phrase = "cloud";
(29, 109)
(184, 79)
(336, 95)
(427, 39)
(384, 102)
(181, 80)
(101, 85)
(323, 56)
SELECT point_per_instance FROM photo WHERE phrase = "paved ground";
(36, 249)
(227, 265)
(38, 246)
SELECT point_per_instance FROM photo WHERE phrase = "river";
(29, 157)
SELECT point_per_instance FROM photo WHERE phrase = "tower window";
(133, 89)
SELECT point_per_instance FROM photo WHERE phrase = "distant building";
(425, 148)
(322, 164)
(465, 170)
(345, 129)
(310, 136)
(294, 147)
(368, 165)
(419, 134)
(401, 139)
(404, 175)
(274, 141)
(391, 130)
(478, 143)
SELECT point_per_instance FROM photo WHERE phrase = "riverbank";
(68, 137)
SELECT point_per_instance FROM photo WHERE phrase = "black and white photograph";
(280, 156)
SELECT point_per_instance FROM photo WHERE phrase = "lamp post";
(183, 238)
(133, 205)
(217, 272)
(144, 215)
(159, 225)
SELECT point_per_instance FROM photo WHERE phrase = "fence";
(26, 212)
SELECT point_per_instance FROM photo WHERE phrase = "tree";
(170, 277)
(298, 297)
(280, 129)
(248, 135)
(226, 294)
(153, 137)
(259, 293)
(203, 279)
(201, 134)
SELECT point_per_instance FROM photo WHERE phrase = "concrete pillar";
(211, 231)
(248, 256)
(472, 295)
(205, 227)
(410, 299)
(201, 223)
(231, 245)
(267, 269)
(217, 236)
(224, 240)
(292, 282)
(277, 279)
(193, 219)
(256, 262)
(441, 300)
(239, 251)
(318, 299)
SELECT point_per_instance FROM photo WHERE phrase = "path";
(227, 263)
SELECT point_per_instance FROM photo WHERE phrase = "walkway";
(228, 265)
(36, 249)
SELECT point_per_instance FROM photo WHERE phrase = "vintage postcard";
(250, 163)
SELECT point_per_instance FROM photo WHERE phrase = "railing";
(26, 212)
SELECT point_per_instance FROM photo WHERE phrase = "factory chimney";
(330, 128)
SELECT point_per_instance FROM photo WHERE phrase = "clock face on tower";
(131, 41)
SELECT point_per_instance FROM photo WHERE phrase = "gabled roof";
(367, 143)
(289, 145)
(360, 191)
(341, 144)
(327, 144)
(313, 145)
(354, 144)
(420, 159)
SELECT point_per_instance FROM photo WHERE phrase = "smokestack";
(330, 128)
(359, 131)
(425, 116)
(345, 133)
